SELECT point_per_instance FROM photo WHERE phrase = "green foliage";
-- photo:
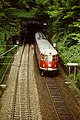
(66, 31)
(68, 14)
(6, 60)
(76, 7)
(66, 28)
(76, 24)
(63, 17)
(71, 54)
(72, 39)
(54, 13)
(78, 76)
(73, 81)
(2, 41)
(43, 2)
(25, 14)
(23, 4)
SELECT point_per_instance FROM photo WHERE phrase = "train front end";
(49, 61)
(47, 55)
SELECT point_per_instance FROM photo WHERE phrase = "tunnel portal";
(28, 30)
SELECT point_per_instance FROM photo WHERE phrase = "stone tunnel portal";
(28, 30)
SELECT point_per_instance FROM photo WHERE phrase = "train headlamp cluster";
(49, 65)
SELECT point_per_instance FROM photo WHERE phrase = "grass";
(6, 60)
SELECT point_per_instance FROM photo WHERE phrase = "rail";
(28, 87)
(15, 91)
(23, 110)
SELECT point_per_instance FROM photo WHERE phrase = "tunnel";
(28, 30)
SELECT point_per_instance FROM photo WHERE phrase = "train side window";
(43, 37)
(55, 57)
(44, 57)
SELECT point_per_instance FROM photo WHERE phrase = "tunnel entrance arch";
(28, 30)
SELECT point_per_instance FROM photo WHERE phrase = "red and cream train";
(47, 55)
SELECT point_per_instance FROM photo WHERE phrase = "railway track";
(62, 109)
(28, 102)
(25, 104)
(21, 100)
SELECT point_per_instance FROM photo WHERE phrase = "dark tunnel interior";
(28, 30)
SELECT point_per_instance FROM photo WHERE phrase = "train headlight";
(43, 65)
(55, 65)
(49, 65)
(17, 42)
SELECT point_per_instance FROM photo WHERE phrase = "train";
(47, 55)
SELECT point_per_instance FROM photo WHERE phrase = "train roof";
(46, 48)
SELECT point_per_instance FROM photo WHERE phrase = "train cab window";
(45, 57)
(43, 37)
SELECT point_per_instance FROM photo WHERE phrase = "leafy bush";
(2, 42)
(71, 39)
(71, 54)
(78, 76)
(6, 60)
(72, 79)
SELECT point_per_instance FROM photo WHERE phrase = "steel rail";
(14, 98)
(67, 105)
(53, 105)
(20, 104)
(28, 85)
(15, 91)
